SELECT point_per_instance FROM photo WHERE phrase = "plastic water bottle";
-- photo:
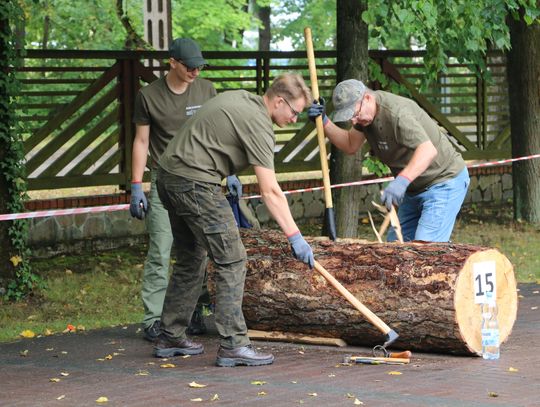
(490, 328)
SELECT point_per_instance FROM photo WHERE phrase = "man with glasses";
(431, 179)
(231, 132)
(161, 109)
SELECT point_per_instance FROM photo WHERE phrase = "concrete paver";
(301, 374)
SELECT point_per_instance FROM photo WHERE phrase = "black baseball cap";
(188, 51)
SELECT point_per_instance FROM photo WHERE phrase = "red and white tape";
(121, 207)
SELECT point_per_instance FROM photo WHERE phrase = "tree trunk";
(425, 292)
(352, 62)
(523, 67)
(264, 32)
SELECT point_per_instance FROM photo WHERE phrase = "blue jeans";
(430, 216)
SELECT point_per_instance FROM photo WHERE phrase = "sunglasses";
(200, 67)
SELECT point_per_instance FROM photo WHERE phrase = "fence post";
(127, 93)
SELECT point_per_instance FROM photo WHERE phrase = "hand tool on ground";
(390, 217)
(375, 360)
(329, 212)
(391, 335)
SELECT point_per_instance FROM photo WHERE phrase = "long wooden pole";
(365, 311)
(329, 215)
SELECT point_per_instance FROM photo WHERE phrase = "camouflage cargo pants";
(202, 223)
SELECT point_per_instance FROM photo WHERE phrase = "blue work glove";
(395, 191)
(301, 249)
(317, 109)
(138, 205)
(234, 186)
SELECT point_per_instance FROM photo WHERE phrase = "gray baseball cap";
(345, 96)
(188, 51)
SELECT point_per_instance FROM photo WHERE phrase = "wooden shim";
(295, 338)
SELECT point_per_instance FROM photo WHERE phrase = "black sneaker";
(197, 325)
(166, 347)
(152, 332)
(244, 355)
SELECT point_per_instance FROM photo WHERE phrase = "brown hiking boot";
(166, 347)
(244, 355)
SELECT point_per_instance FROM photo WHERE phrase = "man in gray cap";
(431, 179)
(161, 109)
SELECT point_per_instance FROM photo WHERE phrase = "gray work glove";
(395, 191)
(317, 109)
(234, 186)
(138, 204)
(301, 249)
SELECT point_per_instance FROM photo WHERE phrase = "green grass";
(98, 290)
(87, 291)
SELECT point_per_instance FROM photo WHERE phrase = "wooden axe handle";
(318, 121)
(370, 316)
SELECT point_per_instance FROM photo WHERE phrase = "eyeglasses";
(294, 112)
(200, 67)
(357, 112)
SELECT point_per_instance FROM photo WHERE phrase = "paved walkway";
(116, 363)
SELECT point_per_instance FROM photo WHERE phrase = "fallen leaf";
(48, 332)
(142, 373)
(102, 400)
(331, 375)
(80, 328)
(167, 365)
(64, 374)
(197, 385)
(533, 308)
(294, 382)
(63, 352)
(54, 379)
(258, 382)
(68, 271)
(24, 353)
(197, 399)
(301, 352)
(312, 394)
(16, 260)
(61, 397)
(394, 373)
(536, 292)
(357, 402)
(215, 397)
(513, 369)
(70, 328)
(492, 394)
(27, 333)
(186, 356)
(350, 395)
(261, 393)
(49, 349)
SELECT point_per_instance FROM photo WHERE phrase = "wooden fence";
(75, 107)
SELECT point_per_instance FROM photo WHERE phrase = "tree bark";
(425, 292)
(523, 69)
(264, 32)
(352, 62)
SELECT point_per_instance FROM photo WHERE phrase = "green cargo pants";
(203, 224)
(156, 265)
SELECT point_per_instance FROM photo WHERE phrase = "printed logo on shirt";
(383, 145)
(191, 110)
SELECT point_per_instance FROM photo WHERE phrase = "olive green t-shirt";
(399, 127)
(229, 133)
(166, 112)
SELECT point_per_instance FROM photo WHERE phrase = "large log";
(424, 291)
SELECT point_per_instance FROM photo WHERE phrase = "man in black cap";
(161, 109)
(431, 179)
